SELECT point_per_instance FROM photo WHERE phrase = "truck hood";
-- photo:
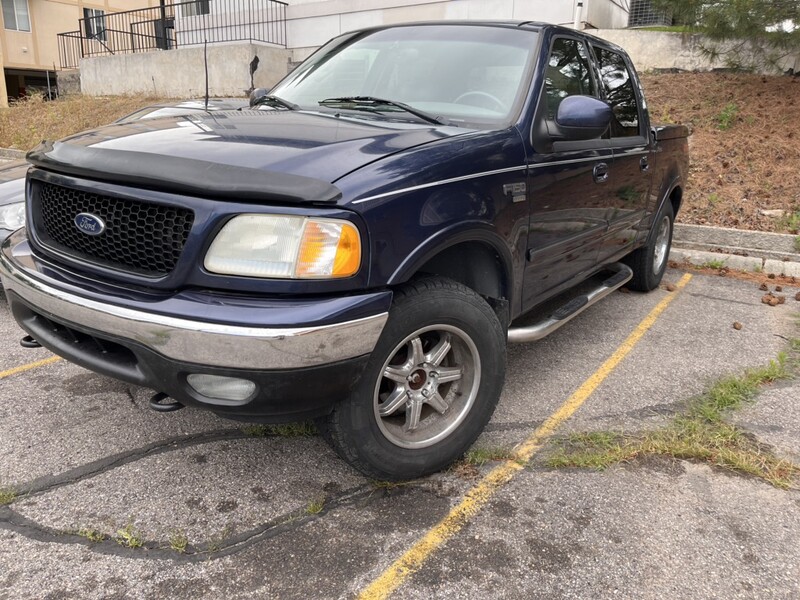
(277, 155)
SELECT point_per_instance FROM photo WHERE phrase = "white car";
(12, 174)
(12, 197)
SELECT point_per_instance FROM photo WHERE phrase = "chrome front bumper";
(198, 342)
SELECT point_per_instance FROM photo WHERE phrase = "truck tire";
(650, 261)
(429, 387)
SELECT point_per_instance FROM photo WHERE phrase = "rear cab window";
(618, 86)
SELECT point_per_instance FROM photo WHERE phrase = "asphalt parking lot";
(277, 516)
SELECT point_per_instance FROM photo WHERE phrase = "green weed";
(7, 496)
(791, 223)
(714, 264)
(303, 429)
(315, 507)
(129, 537)
(699, 433)
(727, 118)
(93, 535)
(178, 541)
(478, 457)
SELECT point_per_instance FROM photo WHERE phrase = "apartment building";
(29, 42)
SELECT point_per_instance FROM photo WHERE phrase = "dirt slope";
(745, 145)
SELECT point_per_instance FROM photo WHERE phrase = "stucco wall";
(180, 73)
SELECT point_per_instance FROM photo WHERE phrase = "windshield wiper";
(274, 101)
(372, 103)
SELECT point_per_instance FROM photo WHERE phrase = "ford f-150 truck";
(359, 245)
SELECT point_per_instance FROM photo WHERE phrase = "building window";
(15, 15)
(196, 8)
(95, 23)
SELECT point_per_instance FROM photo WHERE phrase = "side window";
(619, 93)
(196, 8)
(568, 74)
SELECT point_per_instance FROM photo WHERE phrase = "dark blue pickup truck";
(359, 244)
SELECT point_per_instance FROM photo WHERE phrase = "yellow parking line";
(29, 366)
(477, 497)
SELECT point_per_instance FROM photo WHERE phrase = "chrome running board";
(570, 310)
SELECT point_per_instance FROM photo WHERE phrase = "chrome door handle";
(600, 173)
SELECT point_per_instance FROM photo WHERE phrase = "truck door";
(567, 182)
(630, 175)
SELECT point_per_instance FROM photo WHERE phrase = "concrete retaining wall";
(180, 73)
(311, 23)
(665, 50)
(69, 82)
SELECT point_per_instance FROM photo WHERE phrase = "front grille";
(141, 237)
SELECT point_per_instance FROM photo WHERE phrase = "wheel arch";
(477, 258)
(675, 196)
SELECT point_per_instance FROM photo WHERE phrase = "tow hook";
(29, 342)
(161, 402)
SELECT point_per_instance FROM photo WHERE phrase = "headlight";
(12, 216)
(284, 246)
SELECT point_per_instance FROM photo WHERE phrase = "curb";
(770, 253)
(11, 154)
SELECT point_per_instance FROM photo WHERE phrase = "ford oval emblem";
(90, 224)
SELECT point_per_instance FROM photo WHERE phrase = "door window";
(568, 74)
(620, 93)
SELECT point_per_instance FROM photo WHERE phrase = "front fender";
(470, 231)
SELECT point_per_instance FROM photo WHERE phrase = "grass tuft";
(700, 433)
(129, 537)
(288, 430)
(727, 117)
(714, 264)
(477, 457)
(7, 496)
(315, 506)
(93, 535)
(379, 484)
(178, 541)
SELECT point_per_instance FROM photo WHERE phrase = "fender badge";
(90, 224)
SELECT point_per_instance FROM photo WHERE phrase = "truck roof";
(508, 24)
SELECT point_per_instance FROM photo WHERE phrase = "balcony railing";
(174, 25)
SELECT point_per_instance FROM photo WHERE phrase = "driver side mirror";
(583, 118)
(256, 95)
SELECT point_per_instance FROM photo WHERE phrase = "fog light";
(221, 388)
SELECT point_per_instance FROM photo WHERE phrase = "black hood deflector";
(181, 175)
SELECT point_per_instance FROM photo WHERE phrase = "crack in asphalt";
(48, 483)
(211, 549)
(11, 520)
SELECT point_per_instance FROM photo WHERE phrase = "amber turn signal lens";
(328, 249)
(348, 253)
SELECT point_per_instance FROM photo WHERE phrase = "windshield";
(464, 74)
